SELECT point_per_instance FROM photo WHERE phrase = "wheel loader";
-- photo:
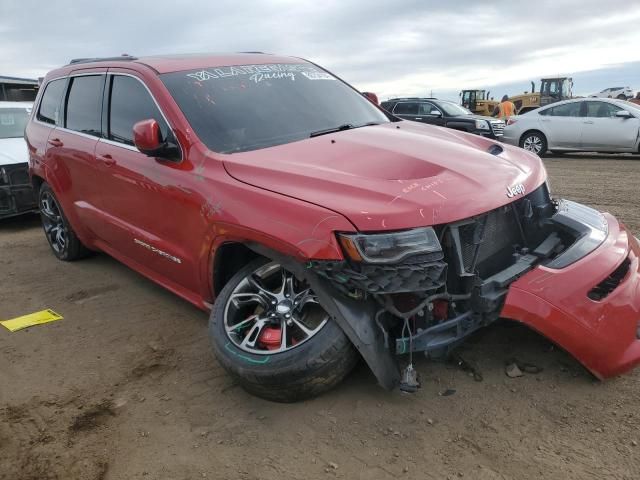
(478, 101)
(551, 90)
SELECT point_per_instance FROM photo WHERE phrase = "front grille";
(498, 128)
(609, 284)
(17, 174)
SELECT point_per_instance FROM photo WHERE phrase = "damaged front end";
(425, 290)
(16, 192)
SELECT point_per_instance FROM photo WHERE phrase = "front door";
(563, 125)
(603, 131)
(148, 220)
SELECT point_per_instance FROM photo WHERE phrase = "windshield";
(453, 110)
(13, 122)
(247, 107)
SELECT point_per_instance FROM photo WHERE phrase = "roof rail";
(123, 57)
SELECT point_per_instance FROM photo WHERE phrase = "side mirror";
(623, 114)
(148, 139)
(435, 113)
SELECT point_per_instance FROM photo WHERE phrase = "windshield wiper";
(346, 126)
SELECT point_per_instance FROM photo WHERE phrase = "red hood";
(392, 176)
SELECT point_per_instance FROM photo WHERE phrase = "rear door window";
(84, 104)
(50, 103)
(130, 103)
(406, 108)
(566, 110)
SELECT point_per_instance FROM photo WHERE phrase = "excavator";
(478, 101)
(551, 90)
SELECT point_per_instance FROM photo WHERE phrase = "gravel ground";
(125, 387)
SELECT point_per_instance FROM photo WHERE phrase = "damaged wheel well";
(230, 258)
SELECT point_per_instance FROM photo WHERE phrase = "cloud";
(392, 48)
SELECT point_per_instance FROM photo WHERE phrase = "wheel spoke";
(283, 335)
(254, 334)
(242, 324)
(287, 283)
(303, 298)
(308, 332)
(255, 282)
(241, 299)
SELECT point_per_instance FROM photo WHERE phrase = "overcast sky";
(401, 47)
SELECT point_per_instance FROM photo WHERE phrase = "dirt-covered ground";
(125, 387)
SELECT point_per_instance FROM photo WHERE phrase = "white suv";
(16, 194)
(621, 93)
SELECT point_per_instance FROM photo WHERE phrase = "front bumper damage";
(590, 308)
(576, 282)
(16, 192)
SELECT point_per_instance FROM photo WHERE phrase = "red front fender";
(602, 335)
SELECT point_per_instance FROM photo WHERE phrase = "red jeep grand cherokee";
(316, 227)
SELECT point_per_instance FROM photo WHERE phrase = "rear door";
(71, 150)
(408, 111)
(562, 125)
(603, 131)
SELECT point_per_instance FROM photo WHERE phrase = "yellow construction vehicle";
(478, 101)
(551, 90)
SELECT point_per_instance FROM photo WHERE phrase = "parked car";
(16, 194)
(621, 93)
(583, 125)
(316, 228)
(444, 114)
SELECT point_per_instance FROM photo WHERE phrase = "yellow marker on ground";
(37, 318)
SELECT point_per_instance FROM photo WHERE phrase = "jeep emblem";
(515, 190)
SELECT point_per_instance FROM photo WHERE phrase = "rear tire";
(299, 369)
(622, 97)
(535, 142)
(64, 243)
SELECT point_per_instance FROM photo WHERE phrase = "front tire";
(270, 333)
(534, 142)
(622, 97)
(64, 243)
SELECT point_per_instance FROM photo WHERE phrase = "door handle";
(55, 142)
(590, 122)
(107, 160)
(418, 118)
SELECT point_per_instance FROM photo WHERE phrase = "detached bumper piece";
(16, 193)
(590, 308)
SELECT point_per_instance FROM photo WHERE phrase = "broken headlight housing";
(389, 247)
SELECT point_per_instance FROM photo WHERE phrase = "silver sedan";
(581, 125)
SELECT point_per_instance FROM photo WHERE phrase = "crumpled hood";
(13, 150)
(392, 176)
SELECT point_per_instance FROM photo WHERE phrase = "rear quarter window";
(50, 103)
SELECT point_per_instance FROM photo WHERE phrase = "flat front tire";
(270, 333)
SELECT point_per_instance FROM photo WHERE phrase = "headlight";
(482, 124)
(389, 247)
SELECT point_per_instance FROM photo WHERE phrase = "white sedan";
(582, 125)
(16, 194)
(621, 93)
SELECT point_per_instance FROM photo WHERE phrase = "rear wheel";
(622, 97)
(269, 332)
(63, 241)
(534, 142)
